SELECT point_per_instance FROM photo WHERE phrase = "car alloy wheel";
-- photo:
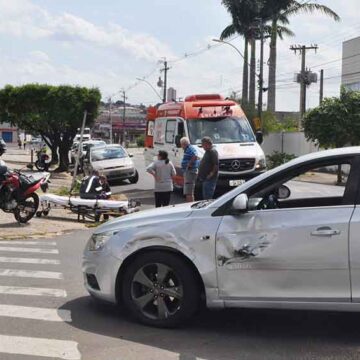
(157, 291)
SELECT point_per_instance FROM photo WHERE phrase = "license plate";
(236, 182)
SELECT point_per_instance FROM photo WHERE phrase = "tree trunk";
(54, 154)
(54, 145)
(64, 148)
(252, 73)
(272, 68)
(245, 82)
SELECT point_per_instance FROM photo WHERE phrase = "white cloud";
(21, 18)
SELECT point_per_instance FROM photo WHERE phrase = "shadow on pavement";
(232, 334)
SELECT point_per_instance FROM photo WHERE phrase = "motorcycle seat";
(28, 182)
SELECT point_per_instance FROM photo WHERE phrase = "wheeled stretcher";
(86, 209)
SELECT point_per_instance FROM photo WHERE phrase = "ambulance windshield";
(222, 130)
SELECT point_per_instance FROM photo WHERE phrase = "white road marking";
(20, 345)
(16, 242)
(31, 274)
(28, 250)
(16, 260)
(32, 291)
(35, 313)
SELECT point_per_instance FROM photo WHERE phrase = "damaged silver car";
(286, 239)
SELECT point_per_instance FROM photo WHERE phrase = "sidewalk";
(57, 223)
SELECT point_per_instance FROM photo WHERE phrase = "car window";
(312, 186)
(325, 181)
(108, 153)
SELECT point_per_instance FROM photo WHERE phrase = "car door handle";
(325, 231)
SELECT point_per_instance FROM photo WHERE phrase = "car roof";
(107, 146)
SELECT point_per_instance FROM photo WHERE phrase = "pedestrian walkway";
(31, 287)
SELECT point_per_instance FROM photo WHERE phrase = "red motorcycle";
(17, 193)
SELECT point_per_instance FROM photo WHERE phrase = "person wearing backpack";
(163, 172)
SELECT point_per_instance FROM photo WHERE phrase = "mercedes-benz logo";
(235, 164)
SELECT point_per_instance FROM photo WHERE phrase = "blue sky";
(110, 43)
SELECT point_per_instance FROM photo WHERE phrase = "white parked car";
(86, 145)
(288, 238)
(112, 161)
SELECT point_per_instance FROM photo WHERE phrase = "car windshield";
(86, 147)
(108, 153)
(222, 130)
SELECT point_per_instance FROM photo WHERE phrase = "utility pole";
(110, 120)
(321, 85)
(261, 73)
(303, 79)
(165, 70)
(123, 142)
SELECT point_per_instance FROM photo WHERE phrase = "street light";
(259, 76)
(233, 46)
(146, 82)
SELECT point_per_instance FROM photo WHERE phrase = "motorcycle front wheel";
(27, 208)
(40, 166)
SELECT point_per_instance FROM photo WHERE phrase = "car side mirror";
(177, 141)
(240, 203)
(283, 192)
(131, 155)
(259, 137)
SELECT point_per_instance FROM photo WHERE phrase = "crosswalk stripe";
(28, 250)
(16, 242)
(31, 274)
(35, 313)
(32, 291)
(16, 260)
(19, 345)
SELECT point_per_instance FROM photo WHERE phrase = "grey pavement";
(106, 332)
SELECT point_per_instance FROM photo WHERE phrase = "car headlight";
(261, 164)
(98, 241)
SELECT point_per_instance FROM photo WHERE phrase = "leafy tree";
(336, 122)
(54, 112)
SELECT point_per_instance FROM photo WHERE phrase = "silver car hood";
(111, 163)
(147, 217)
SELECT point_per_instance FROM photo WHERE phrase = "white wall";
(288, 142)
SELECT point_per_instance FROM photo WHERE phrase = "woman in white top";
(163, 172)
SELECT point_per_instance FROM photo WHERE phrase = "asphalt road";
(46, 313)
(105, 332)
(143, 190)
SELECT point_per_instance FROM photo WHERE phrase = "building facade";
(8, 133)
(171, 94)
(133, 125)
(351, 64)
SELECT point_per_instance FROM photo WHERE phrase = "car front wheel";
(160, 289)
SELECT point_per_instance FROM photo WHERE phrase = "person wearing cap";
(209, 168)
(163, 172)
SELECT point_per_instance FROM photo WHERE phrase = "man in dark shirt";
(209, 168)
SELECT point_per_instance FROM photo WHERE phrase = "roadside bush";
(140, 141)
(278, 158)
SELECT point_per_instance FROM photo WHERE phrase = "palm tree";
(242, 15)
(294, 8)
(245, 14)
(229, 32)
